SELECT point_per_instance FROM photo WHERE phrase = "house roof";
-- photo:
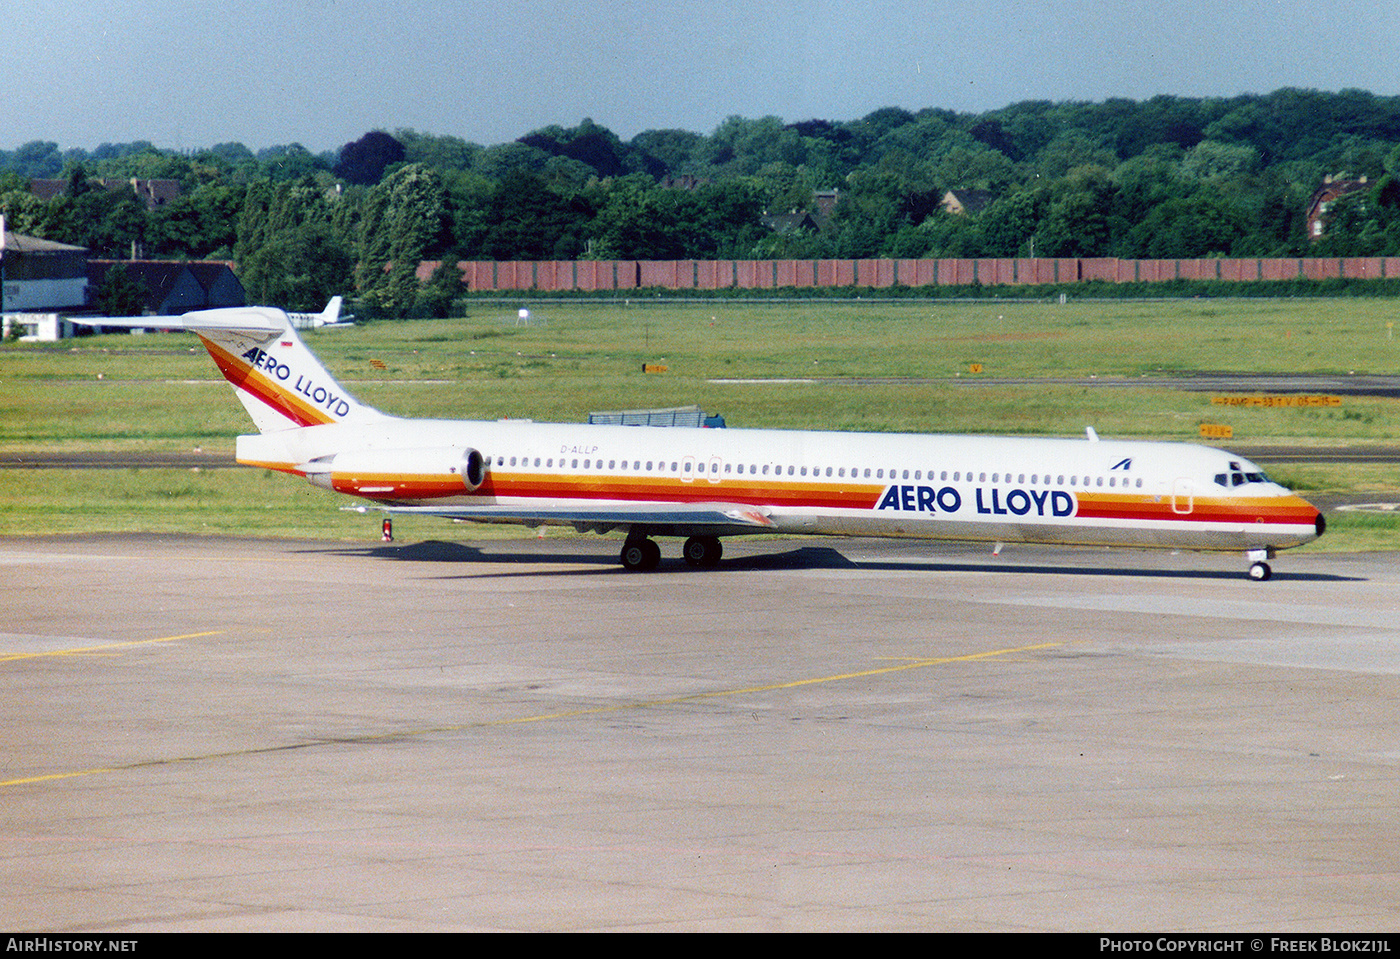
(164, 279)
(825, 202)
(966, 201)
(153, 193)
(1333, 188)
(20, 243)
(788, 222)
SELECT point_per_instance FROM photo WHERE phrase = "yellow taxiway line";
(487, 724)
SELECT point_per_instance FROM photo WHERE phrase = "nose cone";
(1303, 521)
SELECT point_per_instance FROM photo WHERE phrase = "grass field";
(161, 392)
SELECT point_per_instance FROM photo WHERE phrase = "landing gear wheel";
(702, 551)
(1260, 572)
(640, 555)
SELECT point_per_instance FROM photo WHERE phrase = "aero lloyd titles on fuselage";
(987, 500)
(298, 383)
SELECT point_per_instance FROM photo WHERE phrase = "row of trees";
(1168, 177)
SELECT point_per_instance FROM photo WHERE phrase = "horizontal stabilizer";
(259, 322)
(279, 381)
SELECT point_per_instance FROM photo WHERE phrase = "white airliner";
(704, 484)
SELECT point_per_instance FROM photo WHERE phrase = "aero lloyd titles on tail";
(320, 396)
(705, 484)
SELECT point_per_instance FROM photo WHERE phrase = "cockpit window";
(1238, 477)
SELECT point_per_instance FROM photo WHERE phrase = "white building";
(41, 277)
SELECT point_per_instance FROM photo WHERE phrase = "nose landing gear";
(1259, 569)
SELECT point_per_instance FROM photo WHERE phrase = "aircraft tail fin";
(280, 382)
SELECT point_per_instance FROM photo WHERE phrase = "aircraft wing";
(658, 518)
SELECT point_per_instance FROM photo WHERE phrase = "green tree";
(1203, 224)
(1079, 219)
(291, 162)
(110, 223)
(121, 294)
(292, 247)
(37, 159)
(403, 220)
(439, 295)
(527, 220)
(298, 268)
(674, 151)
(1009, 223)
(197, 225)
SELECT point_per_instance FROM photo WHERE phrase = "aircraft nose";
(1320, 524)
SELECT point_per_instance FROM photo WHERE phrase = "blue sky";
(193, 73)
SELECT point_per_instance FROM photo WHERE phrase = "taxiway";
(224, 734)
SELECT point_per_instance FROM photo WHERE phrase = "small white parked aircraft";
(328, 317)
(704, 484)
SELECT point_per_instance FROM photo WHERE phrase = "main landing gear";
(702, 551)
(642, 555)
